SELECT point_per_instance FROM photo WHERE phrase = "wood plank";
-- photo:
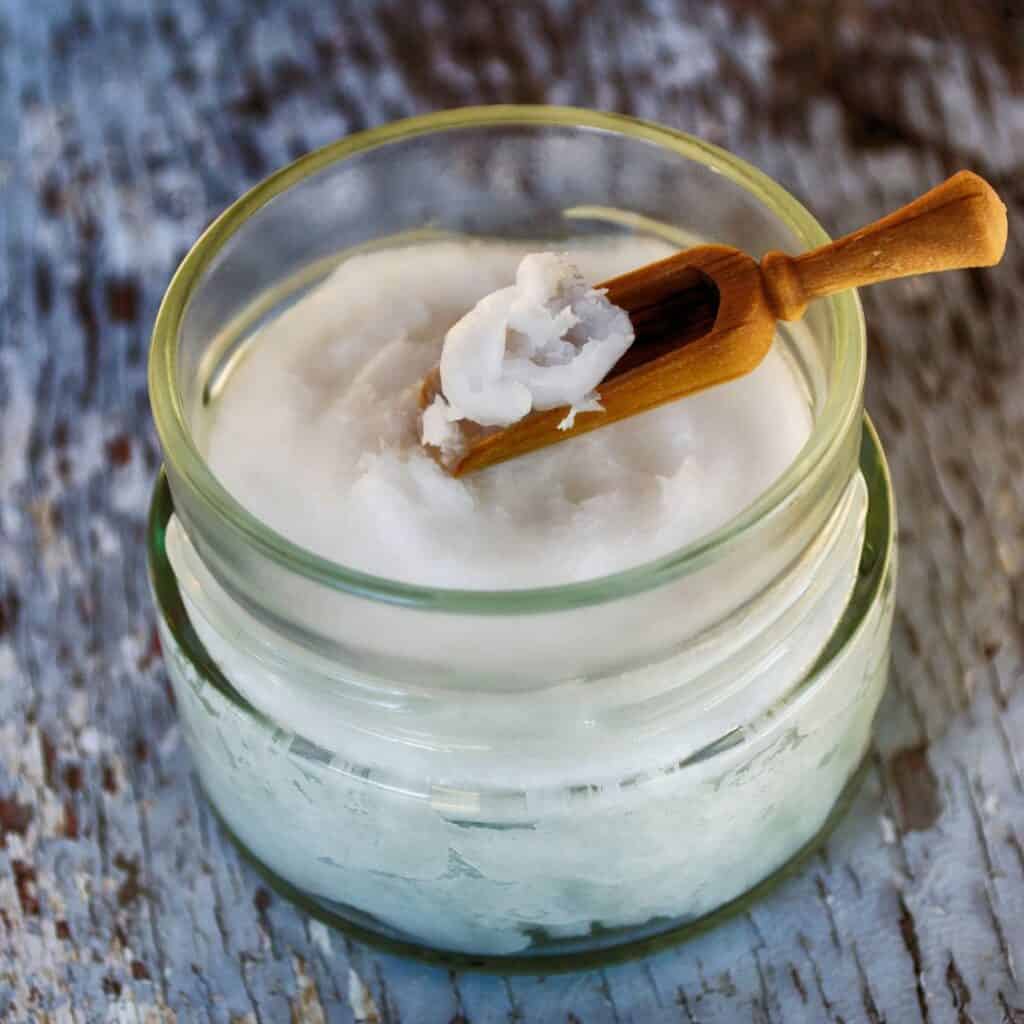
(123, 129)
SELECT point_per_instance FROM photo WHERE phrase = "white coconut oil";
(317, 432)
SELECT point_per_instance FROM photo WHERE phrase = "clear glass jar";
(533, 772)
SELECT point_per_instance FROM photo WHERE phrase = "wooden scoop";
(707, 315)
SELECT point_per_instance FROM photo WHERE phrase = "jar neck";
(351, 638)
(687, 700)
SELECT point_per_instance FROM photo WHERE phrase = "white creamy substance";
(545, 342)
(476, 817)
(318, 430)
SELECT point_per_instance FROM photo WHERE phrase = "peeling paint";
(104, 187)
(359, 998)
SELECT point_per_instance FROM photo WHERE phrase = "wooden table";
(124, 126)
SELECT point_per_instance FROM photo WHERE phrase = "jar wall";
(549, 871)
(582, 730)
(428, 871)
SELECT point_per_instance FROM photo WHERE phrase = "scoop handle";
(960, 223)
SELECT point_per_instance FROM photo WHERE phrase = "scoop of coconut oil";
(545, 342)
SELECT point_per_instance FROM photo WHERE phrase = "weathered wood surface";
(123, 128)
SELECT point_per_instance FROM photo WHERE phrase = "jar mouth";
(839, 414)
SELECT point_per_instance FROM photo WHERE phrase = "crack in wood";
(908, 932)
(913, 782)
(959, 993)
(684, 1004)
(866, 996)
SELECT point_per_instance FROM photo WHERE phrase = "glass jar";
(521, 772)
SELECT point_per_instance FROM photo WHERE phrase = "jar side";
(532, 887)
(581, 730)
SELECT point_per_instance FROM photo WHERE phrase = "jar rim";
(840, 413)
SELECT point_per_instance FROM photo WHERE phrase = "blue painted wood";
(124, 127)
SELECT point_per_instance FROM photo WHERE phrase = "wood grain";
(124, 128)
(958, 224)
(728, 335)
